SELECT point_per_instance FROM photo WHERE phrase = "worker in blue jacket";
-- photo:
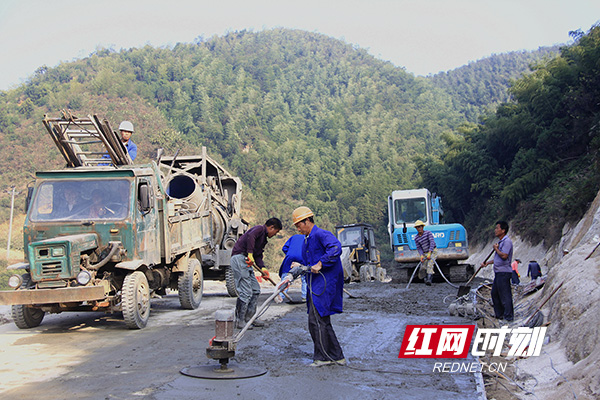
(293, 253)
(126, 129)
(321, 251)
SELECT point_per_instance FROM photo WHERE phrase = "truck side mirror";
(144, 197)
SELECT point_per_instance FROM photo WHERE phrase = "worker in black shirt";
(247, 251)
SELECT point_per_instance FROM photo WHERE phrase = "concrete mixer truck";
(106, 235)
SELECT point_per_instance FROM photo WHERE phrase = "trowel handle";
(489, 255)
(480, 267)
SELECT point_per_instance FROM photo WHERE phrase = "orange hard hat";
(301, 213)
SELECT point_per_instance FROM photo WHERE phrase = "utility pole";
(12, 207)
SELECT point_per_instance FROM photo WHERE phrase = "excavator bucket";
(86, 141)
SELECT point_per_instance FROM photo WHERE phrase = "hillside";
(536, 158)
(479, 87)
(567, 365)
(306, 119)
(300, 117)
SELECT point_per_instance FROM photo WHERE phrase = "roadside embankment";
(569, 365)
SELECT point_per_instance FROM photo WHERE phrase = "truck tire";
(191, 285)
(23, 316)
(136, 300)
(26, 317)
(230, 282)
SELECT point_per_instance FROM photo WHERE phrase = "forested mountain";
(479, 87)
(536, 159)
(302, 119)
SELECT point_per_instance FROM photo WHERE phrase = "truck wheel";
(26, 317)
(23, 316)
(230, 282)
(136, 300)
(191, 285)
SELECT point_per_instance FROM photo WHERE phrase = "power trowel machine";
(223, 345)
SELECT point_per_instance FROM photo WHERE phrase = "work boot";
(241, 309)
(429, 279)
(252, 310)
(320, 363)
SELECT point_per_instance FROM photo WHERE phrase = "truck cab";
(100, 206)
(105, 234)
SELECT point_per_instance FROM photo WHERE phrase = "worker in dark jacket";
(534, 270)
(321, 251)
(427, 250)
(248, 251)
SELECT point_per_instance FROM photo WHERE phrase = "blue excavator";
(405, 207)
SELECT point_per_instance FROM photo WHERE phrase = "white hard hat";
(126, 126)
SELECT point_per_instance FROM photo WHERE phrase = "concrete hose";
(113, 250)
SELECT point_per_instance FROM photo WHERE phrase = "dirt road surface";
(94, 356)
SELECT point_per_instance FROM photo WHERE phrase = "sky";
(422, 36)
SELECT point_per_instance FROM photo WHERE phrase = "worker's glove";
(429, 255)
(299, 270)
(422, 258)
(250, 259)
(265, 273)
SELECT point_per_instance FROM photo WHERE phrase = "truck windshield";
(349, 236)
(90, 199)
(410, 210)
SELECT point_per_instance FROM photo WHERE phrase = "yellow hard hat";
(419, 223)
(301, 213)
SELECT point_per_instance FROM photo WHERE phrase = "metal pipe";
(12, 206)
(115, 247)
(258, 312)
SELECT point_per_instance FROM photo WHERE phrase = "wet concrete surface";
(93, 356)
